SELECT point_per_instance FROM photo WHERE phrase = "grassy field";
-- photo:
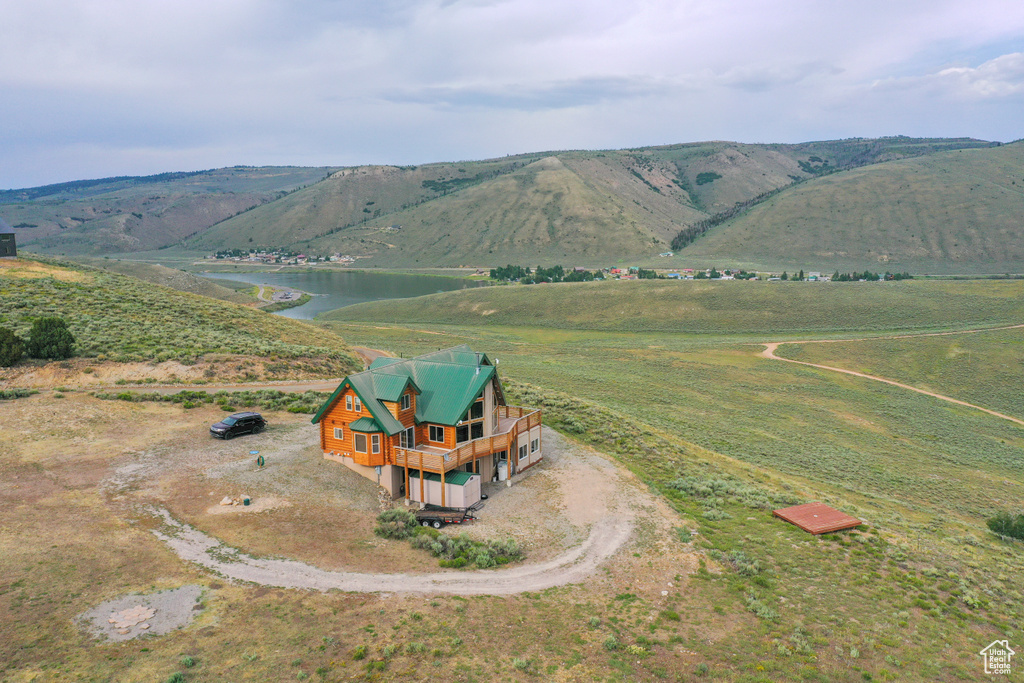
(123, 319)
(719, 434)
(723, 433)
(981, 368)
(708, 308)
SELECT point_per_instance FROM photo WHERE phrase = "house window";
(476, 411)
(535, 445)
(437, 433)
(461, 433)
(339, 433)
(406, 401)
(348, 402)
(360, 440)
(375, 443)
(476, 430)
(407, 438)
(359, 405)
(523, 452)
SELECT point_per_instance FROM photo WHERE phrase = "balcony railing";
(523, 420)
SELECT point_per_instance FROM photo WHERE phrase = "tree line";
(512, 273)
(869, 276)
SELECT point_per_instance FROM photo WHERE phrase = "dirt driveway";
(571, 513)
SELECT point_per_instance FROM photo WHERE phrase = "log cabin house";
(430, 428)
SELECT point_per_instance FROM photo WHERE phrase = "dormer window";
(406, 401)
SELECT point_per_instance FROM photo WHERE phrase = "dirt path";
(369, 355)
(573, 566)
(583, 510)
(770, 348)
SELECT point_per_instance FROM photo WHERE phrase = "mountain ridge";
(574, 207)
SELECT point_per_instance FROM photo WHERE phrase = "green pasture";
(710, 308)
(725, 435)
(983, 368)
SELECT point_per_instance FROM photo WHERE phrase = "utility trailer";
(437, 516)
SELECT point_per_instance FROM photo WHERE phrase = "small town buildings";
(8, 243)
(431, 428)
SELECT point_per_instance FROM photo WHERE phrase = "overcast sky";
(98, 88)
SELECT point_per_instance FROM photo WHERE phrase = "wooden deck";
(510, 422)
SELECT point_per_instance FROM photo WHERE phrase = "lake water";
(336, 289)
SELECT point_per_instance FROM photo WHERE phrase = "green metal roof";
(391, 387)
(458, 478)
(381, 361)
(365, 424)
(447, 381)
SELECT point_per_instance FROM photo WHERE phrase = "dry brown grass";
(74, 538)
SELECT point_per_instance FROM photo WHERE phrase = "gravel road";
(573, 566)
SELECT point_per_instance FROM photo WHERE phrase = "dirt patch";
(32, 269)
(256, 505)
(573, 513)
(137, 614)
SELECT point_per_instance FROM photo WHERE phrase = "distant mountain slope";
(569, 207)
(951, 211)
(350, 197)
(140, 213)
(585, 208)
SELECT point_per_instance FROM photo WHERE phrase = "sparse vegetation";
(230, 401)
(113, 317)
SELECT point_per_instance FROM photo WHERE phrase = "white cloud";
(174, 85)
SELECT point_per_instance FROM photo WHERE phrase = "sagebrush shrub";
(11, 348)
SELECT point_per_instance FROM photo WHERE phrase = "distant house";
(440, 417)
(8, 243)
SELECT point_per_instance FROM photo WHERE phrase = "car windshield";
(229, 421)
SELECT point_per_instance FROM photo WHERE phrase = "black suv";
(238, 423)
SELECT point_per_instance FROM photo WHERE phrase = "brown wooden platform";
(817, 518)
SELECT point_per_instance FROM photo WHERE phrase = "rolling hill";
(117, 215)
(956, 211)
(116, 318)
(579, 206)
(893, 203)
